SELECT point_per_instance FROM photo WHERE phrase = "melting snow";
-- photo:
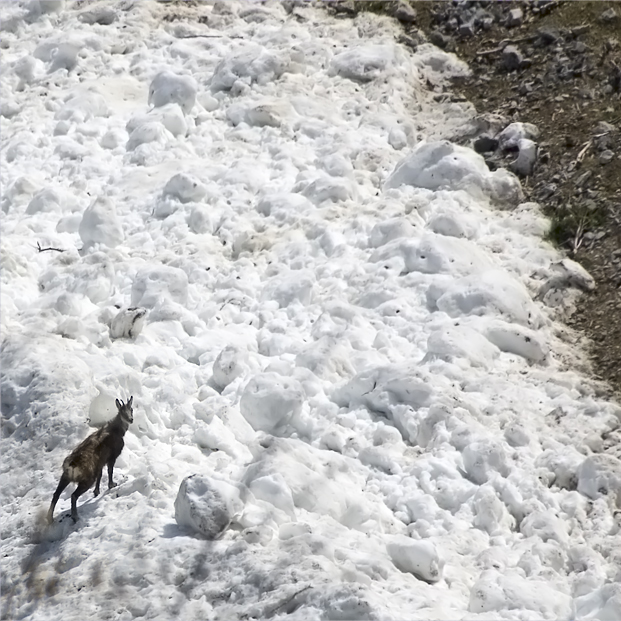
(351, 396)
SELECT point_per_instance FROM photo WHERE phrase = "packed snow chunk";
(270, 400)
(436, 254)
(495, 592)
(515, 339)
(524, 164)
(100, 224)
(185, 188)
(419, 558)
(151, 284)
(149, 131)
(230, 364)
(600, 474)
(482, 459)
(494, 292)
(546, 525)
(101, 14)
(603, 604)
(273, 488)
(461, 342)
(254, 64)
(389, 230)
(170, 116)
(128, 323)
(44, 201)
(65, 56)
(82, 106)
(490, 513)
(565, 274)
(364, 63)
(512, 134)
(323, 187)
(381, 388)
(284, 206)
(264, 113)
(444, 165)
(289, 287)
(168, 87)
(206, 505)
(452, 224)
(321, 482)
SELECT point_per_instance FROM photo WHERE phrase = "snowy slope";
(336, 329)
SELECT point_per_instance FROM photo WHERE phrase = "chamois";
(86, 461)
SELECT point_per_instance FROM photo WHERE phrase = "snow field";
(352, 399)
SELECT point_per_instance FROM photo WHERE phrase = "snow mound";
(436, 254)
(461, 342)
(496, 592)
(419, 558)
(444, 165)
(325, 483)
(517, 339)
(167, 87)
(170, 115)
(381, 388)
(600, 474)
(229, 365)
(253, 63)
(150, 284)
(493, 292)
(269, 401)
(185, 188)
(100, 224)
(82, 106)
(364, 63)
(206, 505)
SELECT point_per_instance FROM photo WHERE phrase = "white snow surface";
(327, 314)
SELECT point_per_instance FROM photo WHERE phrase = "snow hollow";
(352, 398)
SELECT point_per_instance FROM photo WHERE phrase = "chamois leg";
(64, 481)
(96, 493)
(111, 483)
(82, 487)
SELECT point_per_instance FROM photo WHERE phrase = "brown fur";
(85, 464)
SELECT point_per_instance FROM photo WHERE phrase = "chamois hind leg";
(64, 481)
(111, 483)
(96, 493)
(82, 487)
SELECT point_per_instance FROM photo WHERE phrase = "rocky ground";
(556, 65)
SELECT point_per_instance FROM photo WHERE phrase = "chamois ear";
(131, 400)
(119, 404)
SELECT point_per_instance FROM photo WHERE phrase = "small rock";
(515, 18)
(467, 29)
(405, 13)
(547, 36)
(439, 40)
(485, 144)
(608, 16)
(606, 156)
(512, 58)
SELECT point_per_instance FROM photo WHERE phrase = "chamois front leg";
(111, 483)
(96, 493)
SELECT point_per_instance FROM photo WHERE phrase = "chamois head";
(125, 411)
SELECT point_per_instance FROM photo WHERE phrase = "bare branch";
(50, 248)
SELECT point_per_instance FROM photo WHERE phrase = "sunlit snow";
(352, 396)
